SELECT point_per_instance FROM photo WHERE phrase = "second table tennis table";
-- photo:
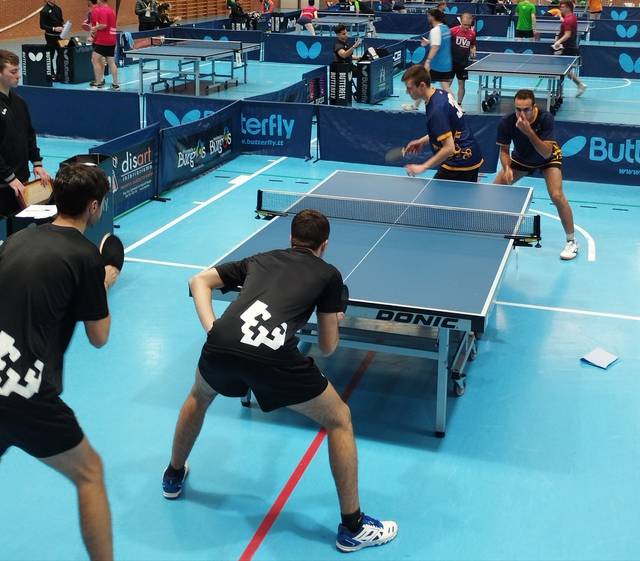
(190, 55)
(355, 23)
(425, 291)
(493, 67)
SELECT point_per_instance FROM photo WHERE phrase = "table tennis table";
(422, 290)
(355, 23)
(552, 27)
(190, 55)
(549, 69)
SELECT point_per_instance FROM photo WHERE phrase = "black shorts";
(460, 70)
(470, 175)
(524, 33)
(304, 21)
(437, 76)
(105, 50)
(42, 427)
(273, 386)
(531, 169)
(568, 51)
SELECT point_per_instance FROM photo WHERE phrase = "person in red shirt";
(103, 19)
(567, 40)
(307, 16)
(463, 48)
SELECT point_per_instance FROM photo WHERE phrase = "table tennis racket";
(394, 155)
(112, 251)
(344, 298)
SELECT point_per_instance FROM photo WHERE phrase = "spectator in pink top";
(103, 19)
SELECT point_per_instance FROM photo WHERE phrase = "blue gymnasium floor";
(541, 453)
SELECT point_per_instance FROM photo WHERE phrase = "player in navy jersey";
(456, 152)
(530, 129)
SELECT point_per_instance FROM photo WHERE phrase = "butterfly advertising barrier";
(36, 65)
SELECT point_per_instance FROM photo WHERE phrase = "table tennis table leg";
(443, 381)
(141, 76)
(196, 70)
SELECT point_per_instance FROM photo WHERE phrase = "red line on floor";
(278, 505)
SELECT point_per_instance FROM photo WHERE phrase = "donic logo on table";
(601, 150)
(188, 117)
(311, 52)
(626, 32)
(417, 56)
(628, 64)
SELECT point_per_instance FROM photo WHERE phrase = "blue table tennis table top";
(406, 268)
(192, 49)
(523, 64)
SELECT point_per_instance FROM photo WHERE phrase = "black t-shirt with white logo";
(50, 278)
(280, 291)
(524, 152)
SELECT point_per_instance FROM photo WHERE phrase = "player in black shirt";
(17, 138)
(253, 346)
(535, 148)
(51, 277)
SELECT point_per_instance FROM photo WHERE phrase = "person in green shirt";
(526, 24)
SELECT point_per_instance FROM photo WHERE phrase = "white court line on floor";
(165, 263)
(198, 208)
(569, 311)
(591, 244)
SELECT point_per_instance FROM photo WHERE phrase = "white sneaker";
(570, 251)
(410, 106)
(372, 532)
(581, 90)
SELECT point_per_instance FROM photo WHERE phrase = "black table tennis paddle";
(112, 251)
(394, 155)
(344, 298)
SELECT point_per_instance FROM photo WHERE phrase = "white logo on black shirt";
(31, 382)
(4, 111)
(274, 339)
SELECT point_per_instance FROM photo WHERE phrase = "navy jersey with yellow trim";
(524, 152)
(445, 118)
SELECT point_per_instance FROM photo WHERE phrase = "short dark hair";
(436, 14)
(312, 2)
(526, 94)
(7, 57)
(339, 28)
(567, 3)
(309, 228)
(76, 185)
(417, 74)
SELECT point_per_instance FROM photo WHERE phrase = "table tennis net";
(522, 227)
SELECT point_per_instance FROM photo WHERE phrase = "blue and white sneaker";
(372, 532)
(172, 486)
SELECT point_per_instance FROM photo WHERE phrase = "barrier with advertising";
(295, 93)
(134, 174)
(189, 150)
(279, 129)
(340, 76)
(98, 115)
(375, 80)
(610, 62)
(317, 85)
(393, 47)
(299, 49)
(615, 30)
(600, 153)
(341, 130)
(173, 110)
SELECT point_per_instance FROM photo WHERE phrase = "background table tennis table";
(355, 23)
(493, 67)
(552, 26)
(413, 291)
(189, 56)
